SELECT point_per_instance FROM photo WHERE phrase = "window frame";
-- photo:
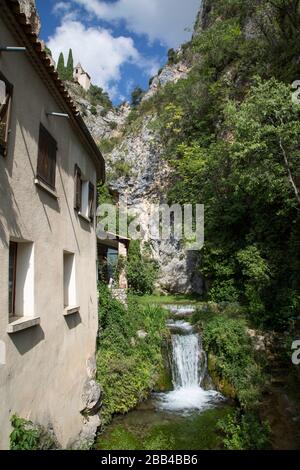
(5, 114)
(79, 183)
(78, 189)
(12, 290)
(47, 148)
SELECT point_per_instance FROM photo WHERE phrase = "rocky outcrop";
(101, 123)
(28, 7)
(169, 73)
(138, 172)
(91, 404)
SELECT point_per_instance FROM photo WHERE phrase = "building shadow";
(73, 321)
(26, 340)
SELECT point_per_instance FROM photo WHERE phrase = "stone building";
(49, 168)
(82, 77)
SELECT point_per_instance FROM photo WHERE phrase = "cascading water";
(189, 367)
(186, 361)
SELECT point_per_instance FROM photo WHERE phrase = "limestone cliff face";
(28, 7)
(139, 173)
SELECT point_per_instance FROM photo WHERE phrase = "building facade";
(82, 77)
(49, 168)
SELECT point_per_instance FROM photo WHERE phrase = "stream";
(182, 419)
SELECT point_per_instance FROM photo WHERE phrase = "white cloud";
(163, 20)
(100, 53)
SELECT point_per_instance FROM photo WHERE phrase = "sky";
(120, 43)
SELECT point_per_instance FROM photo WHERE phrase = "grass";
(167, 299)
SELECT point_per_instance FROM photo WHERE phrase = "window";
(13, 249)
(91, 201)
(6, 90)
(69, 280)
(78, 189)
(84, 195)
(46, 168)
(21, 279)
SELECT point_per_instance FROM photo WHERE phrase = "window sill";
(45, 188)
(71, 311)
(84, 217)
(22, 323)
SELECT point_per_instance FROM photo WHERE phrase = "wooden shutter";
(5, 111)
(91, 201)
(78, 189)
(46, 168)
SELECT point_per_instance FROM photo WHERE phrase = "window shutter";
(46, 168)
(78, 189)
(5, 111)
(91, 201)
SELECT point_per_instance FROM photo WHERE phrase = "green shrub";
(245, 432)
(28, 436)
(24, 436)
(141, 270)
(232, 355)
(93, 111)
(127, 365)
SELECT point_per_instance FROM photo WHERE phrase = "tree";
(48, 51)
(136, 96)
(70, 66)
(61, 70)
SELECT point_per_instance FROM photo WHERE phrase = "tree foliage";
(70, 66)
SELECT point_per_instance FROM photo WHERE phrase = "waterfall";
(186, 361)
(189, 367)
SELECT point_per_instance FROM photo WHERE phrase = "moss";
(164, 375)
(222, 384)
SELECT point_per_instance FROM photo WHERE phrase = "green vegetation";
(142, 430)
(141, 270)
(107, 145)
(121, 169)
(65, 72)
(172, 57)
(127, 364)
(136, 96)
(28, 436)
(70, 66)
(157, 299)
(231, 133)
(61, 66)
(98, 97)
(237, 372)
(244, 432)
(231, 359)
(93, 110)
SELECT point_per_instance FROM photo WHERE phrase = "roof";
(37, 54)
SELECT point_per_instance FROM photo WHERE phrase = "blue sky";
(121, 43)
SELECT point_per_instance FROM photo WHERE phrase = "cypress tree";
(61, 70)
(70, 66)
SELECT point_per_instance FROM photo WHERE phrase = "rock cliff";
(138, 172)
(28, 7)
